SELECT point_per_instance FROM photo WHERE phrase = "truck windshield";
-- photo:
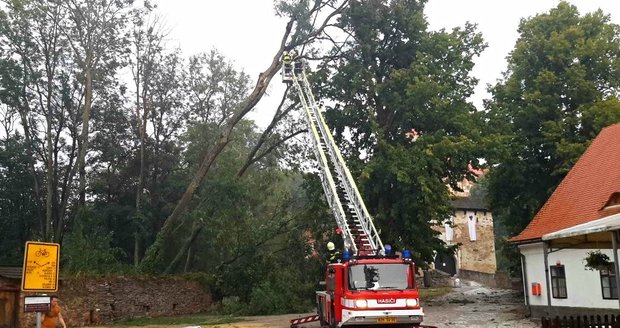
(378, 276)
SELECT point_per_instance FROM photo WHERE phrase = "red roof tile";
(584, 191)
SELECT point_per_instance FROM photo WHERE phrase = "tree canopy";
(560, 89)
(396, 98)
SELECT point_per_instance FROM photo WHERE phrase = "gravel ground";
(474, 306)
(469, 306)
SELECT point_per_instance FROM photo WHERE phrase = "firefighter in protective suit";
(334, 255)
(286, 59)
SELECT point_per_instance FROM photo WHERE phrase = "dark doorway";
(446, 263)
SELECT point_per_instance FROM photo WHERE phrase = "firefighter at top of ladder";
(291, 65)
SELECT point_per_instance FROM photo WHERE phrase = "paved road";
(470, 306)
(476, 306)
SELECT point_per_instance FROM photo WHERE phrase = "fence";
(605, 321)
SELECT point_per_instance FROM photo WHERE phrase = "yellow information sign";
(41, 267)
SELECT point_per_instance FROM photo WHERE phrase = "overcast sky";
(248, 33)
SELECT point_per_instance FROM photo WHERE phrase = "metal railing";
(591, 321)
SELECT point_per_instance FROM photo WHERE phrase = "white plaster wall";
(583, 287)
(534, 271)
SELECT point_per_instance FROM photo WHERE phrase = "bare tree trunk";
(88, 98)
(138, 213)
(139, 192)
(49, 163)
(188, 260)
(31, 164)
(196, 229)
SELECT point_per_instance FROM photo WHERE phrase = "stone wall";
(436, 279)
(497, 279)
(93, 301)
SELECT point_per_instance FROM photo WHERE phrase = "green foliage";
(556, 96)
(207, 281)
(392, 76)
(596, 260)
(231, 305)
(17, 201)
(275, 296)
(88, 247)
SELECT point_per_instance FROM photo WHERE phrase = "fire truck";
(368, 286)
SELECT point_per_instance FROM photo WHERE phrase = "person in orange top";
(49, 318)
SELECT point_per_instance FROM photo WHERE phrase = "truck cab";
(370, 291)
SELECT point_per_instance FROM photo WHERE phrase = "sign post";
(40, 275)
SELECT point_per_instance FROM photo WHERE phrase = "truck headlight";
(361, 304)
(412, 302)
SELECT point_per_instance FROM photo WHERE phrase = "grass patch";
(193, 319)
(427, 293)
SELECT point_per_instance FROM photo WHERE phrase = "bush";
(207, 281)
(233, 305)
(281, 294)
(88, 247)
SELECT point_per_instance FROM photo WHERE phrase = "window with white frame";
(608, 283)
(558, 281)
(448, 227)
(472, 220)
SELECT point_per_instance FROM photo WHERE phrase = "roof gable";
(584, 191)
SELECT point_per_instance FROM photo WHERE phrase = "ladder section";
(358, 230)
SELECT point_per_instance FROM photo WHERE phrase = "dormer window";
(613, 202)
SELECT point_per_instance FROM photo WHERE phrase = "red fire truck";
(368, 286)
(370, 291)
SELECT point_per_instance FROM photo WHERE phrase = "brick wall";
(92, 301)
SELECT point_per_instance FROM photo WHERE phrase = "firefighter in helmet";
(286, 59)
(334, 254)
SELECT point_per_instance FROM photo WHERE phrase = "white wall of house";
(583, 286)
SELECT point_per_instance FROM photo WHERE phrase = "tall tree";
(401, 115)
(148, 45)
(95, 32)
(32, 35)
(560, 89)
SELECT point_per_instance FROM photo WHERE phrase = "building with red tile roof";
(583, 193)
(582, 217)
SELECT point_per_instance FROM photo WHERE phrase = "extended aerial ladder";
(358, 231)
(370, 288)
